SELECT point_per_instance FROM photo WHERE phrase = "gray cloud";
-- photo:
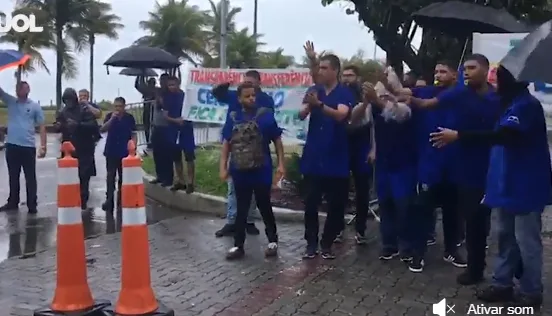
(284, 23)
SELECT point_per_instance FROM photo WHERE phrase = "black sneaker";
(235, 253)
(388, 254)
(456, 260)
(155, 181)
(431, 241)
(416, 265)
(339, 238)
(178, 187)
(190, 188)
(310, 253)
(360, 239)
(226, 230)
(460, 243)
(328, 254)
(406, 257)
(9, 207)
(32, 210)
(251, 229)
(467, 278)
(494, 294)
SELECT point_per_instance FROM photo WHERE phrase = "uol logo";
(19, 23)
(442, 309)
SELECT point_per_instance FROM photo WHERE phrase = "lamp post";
(223, 32)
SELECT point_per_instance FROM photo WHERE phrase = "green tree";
(393, 28)
(214, 26)
(178, 28)
(241, 51)
(63, 16)
(30, 43)
(97, 21)
(369, 69)
(275, 59)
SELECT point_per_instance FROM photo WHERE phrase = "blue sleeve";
(348, 98)
(227, 130)
(269, 101)
(132, 123)
(38, 115)
(107, 117)
(521, 116)
(175, 110)
(228, 97)
(273, 131)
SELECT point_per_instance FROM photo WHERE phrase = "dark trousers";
(114, 166)
(421, 220)
(244, 193)
(362, 182)
(477, 220)
(335, 191)
(394, 224)
(442, 195)
(163, 155)
(17, 158)
(146, 120)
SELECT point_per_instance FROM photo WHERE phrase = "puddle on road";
(23, 235)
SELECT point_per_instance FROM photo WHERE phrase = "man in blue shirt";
(167, 116)
(325, 159)
(120, 127)
(230, 97)
(518, 185)
(23, 117)
(251, 165)
(475, 107)
(434, 179)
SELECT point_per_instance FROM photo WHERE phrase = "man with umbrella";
(148, 91)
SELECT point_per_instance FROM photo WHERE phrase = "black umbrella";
(529, 60)
(143, 57)
(464, 18)
(135, 72)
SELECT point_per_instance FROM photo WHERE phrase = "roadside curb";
(208, 204)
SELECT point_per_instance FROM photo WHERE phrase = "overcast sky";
(284, 23)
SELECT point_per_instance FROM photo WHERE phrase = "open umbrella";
(135, 72)
(464, 18)
(529, 60)
(12, 58)
(143, 57)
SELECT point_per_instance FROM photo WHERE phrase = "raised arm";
(221, 92)
(140, 84)
(313, 60)
(6, 97)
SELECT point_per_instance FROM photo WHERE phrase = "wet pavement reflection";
(23, 235)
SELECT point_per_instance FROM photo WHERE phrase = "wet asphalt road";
(22, 235)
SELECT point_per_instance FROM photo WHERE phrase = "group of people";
(460, 145)
(167, 133)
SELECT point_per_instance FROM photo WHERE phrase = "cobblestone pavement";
(190, 275)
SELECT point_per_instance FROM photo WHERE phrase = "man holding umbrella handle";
(149, 92)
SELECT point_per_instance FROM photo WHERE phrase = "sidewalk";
(190, 275)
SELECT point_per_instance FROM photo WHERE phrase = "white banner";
(495, 47)
(286, 86)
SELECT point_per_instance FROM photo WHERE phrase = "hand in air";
(369, 92)
(309, 50)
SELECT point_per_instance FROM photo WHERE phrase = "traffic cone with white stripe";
(136, 296)
(72, 295)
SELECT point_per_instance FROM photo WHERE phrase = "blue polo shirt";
(119, 133)
(270, 132)
(23, 117)
(261, 99)
(173, 103)
(326, 150)
(470, 112)
(519, 177)
(431, 160)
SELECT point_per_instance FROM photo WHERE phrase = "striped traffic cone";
(136, 296)
(72, 294)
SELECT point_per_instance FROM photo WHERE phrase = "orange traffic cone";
(72, 293)
(136, 296)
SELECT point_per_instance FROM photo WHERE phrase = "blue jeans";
(232, 206)
(519, 238)
(394, 224)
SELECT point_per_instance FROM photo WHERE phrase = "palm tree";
(98, 21)
(177, 28)
(275, 59)
(241, 50)
(30, 43)
(215, 26)
(63, 15)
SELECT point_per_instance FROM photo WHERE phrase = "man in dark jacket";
(78, 125)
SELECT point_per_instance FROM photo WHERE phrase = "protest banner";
(495, 47)
(286, 86)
